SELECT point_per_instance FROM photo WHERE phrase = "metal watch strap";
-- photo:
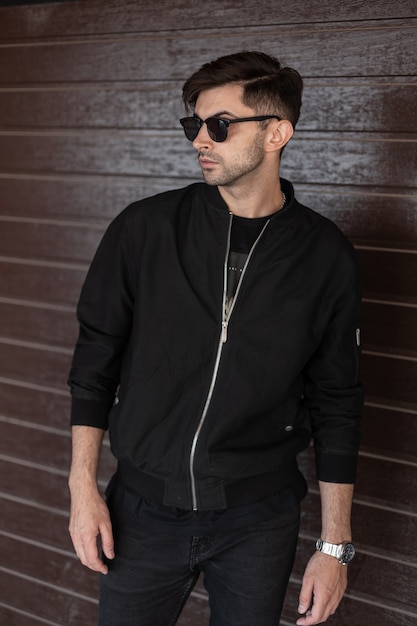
(332, 549)
(343, 552)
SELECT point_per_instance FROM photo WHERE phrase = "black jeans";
(246, 571)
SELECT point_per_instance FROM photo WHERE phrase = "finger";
(89, 554)
(306, 597)
(107, 541)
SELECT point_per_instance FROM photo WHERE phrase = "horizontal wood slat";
(60, 568)
(385, 217)
(389, 275)
(95, 17)
(338, 159)
(175, 55)
(47, 408)
(47, 603)
(82, 198)
(41, 283)
(151, 104)
(14, 616)
(60, 242)
(37, 447)
(390, 328)
(35, 523)
(390, 432)
(390, 380)
(38, 324)
(23, 363)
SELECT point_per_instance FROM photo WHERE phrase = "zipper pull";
(224, 331)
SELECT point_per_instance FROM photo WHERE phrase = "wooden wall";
(89, 101)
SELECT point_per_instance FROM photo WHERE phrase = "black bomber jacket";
(207, 412)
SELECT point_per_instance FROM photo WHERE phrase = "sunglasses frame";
(223, 125)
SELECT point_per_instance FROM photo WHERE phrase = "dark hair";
(268, 88)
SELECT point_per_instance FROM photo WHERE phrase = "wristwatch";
(343, 552)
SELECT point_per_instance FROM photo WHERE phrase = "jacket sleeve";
(332, 392)
(104, 312)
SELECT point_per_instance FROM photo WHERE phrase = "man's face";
(238, 158)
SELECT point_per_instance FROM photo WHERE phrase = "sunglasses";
(216, 126)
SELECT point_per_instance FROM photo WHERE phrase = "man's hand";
(90, 520)
(324, 583)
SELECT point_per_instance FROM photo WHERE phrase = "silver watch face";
(348, 553)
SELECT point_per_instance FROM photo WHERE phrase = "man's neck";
(252, 203)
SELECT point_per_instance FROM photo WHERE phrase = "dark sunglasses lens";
(217, 129)
(191, 127)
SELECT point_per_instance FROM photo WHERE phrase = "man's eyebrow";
(219, 114)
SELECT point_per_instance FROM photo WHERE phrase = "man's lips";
(206, 162)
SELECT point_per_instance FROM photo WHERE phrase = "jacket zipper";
(222, 341)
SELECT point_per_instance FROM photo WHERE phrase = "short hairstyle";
(268, 88)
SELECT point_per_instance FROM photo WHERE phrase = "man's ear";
(278, 134)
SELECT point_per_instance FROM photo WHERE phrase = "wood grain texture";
(390, 432)
(56, 284)
(175, 55)
(353, 105)
(95, 17)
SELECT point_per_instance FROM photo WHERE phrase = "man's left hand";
(324, 583)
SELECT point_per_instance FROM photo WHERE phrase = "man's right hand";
(89, 522)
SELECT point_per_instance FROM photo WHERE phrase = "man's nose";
(203, 138)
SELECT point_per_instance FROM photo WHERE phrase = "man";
(219, 331)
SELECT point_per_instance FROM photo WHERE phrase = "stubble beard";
(226, 174)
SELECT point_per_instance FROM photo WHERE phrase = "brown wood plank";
(145, 103)
(52, 242)
(45, 602)
(386, 217)
(17, 616)
(338, 159)
(59, 568)
(43, 488)
(343, 159)
(389, 432)
(390, 328)
(133, 57)
(58, 285)
(389, 380)
(23, 363)
(85, 198)
(48, 449)
(114, 16)
(39, 324)
(37, 406)
(389, 275)
(92, 106)
(37, 524)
